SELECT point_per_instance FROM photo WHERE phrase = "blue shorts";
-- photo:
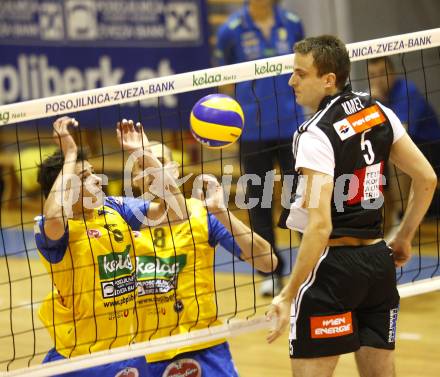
(210, 362)
(133, 367)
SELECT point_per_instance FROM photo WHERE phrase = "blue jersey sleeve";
(132, 210)
(52, 250)
(218, 234)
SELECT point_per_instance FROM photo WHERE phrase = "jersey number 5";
(367, 148)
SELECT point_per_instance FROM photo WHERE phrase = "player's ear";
(330, 80)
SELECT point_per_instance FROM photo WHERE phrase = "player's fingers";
(73, 122)
(400, 262)
(131, 125)
(272, 336)
(59, 121)
(277, 329)
(125, 126)
(209, 178)
(63, 126)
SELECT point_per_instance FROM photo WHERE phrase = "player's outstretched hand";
(279, 315)
(214, 198)
(401, 250)
(131, 136)
(62, 136)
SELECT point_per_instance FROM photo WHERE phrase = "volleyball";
(216, 121)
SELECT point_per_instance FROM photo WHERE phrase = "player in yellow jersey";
(175, 277)
(87, 248)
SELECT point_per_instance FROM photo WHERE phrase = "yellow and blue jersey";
(175, 277)
(92, 267)
(268, 104)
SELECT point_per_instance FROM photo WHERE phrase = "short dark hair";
(329, 55)
(51, 166)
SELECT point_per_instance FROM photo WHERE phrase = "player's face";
(91, 184)
(380, 80)
(310, 88)
(141, 181)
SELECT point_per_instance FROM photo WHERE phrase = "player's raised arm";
(56, 206)
(158, 179)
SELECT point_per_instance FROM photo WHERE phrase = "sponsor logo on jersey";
(94, 233)
(158, 275)
(118, 287)
(128, 372)
(183, 368)
(282, 33)
(118, 314)
(156, 286)
(392, 327)
(331, 326)
(136, 234)
(153, 267)
(250, 42)
(356, 123)
(115, 264)
(178, 306)
(366, 183)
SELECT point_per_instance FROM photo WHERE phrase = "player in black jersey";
(342, 295)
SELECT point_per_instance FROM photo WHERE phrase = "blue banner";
(50, 47)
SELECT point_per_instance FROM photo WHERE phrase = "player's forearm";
(254, 249)
(420, 198)
(58, 204)
(313, 243)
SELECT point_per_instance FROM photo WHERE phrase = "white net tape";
(207, 78)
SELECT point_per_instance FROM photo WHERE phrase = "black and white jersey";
(349, 138)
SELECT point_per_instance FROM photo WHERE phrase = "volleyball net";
(163, 106)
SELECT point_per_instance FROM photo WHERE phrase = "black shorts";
(349, 300)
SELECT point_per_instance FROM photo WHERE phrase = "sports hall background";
(352, 20)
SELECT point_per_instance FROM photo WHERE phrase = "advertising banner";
(50, 47)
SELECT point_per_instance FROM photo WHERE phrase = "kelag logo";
(115, 264)
(268, 68)
(4, 117)
(151, 267)
(206, 79)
